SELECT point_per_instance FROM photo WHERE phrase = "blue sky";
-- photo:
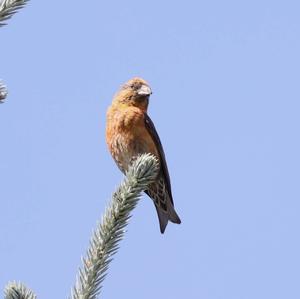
(225, 81)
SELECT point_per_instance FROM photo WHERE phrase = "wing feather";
(164, 168)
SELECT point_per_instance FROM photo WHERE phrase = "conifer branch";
(105, 239)
(108, 234)
(15, 290)
(9, 8)
(3, 92)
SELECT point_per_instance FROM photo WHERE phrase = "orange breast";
(127, 136)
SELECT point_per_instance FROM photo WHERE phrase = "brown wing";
(164, 169)
(160, 191)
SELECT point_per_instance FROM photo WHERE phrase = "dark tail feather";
(173, 217)
(163, 204)
(164, 217)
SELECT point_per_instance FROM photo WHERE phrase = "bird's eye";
(126, 86)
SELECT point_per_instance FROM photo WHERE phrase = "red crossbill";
(129, 133)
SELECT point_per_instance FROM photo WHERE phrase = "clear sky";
(226, 100)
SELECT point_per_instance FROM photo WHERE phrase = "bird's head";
(135, 92)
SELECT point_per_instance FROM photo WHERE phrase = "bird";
(130, 132)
